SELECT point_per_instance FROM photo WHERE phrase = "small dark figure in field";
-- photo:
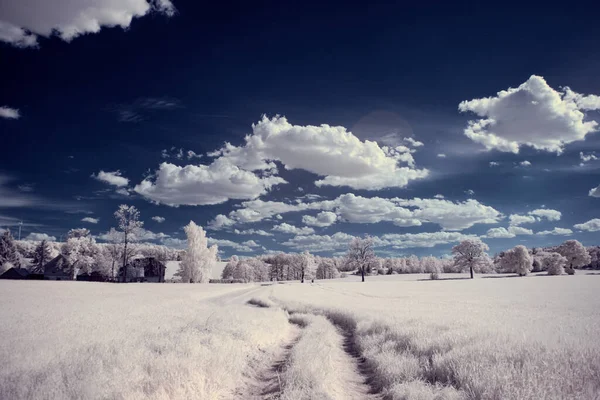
(312, 281)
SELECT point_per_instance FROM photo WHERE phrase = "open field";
(392, 337)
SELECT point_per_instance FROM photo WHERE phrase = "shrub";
(381, 271)
(570, 271)
(434, 276)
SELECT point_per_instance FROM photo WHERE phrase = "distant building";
(144, 269)
(58, 269)
(15, 273)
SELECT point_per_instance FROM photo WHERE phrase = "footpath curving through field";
(317, 360)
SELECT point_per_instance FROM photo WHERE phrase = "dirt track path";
(267, 384)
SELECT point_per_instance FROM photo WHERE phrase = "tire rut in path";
(267, 382)
(360, 384)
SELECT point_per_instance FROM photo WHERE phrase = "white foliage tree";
(360, 254)
(229, 268)
(517, 260)
(471, 254)
(199, 259)
(128, 219)
(576, 254)
(554, 263)
(432, 266)
(80, 250)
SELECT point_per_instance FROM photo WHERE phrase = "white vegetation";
(554, 263)
(471, 254)
(360, 254)
(199, 259)
(576, 255)
(481, 339)
(518, 259)
(128, 219)
(80, 250)
(76, 340)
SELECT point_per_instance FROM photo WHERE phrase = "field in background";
(488, 338)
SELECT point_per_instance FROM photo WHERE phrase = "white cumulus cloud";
(595, 192)
(293, 230)
(24, 20)
(323, 219)
(329, 151)
(593, 225)
(204, 184)
(38, 237)
(90, 220)
(533, 114)
(556, 231)
(158, 219)
(112, 178)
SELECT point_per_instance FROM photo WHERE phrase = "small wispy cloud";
(9, 113)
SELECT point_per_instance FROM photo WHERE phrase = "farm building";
(15, 273)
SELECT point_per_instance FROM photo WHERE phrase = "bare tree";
(128, 218)
(360, 254)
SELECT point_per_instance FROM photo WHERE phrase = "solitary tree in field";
(518, 260)
(576, 255)
(305, 264)
(128, 219)
(360, 254)
(470, 253)
(199, 259)
(41, 256)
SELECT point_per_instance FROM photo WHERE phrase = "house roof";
(15, 273)
(56, 266)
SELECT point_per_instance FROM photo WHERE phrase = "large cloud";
(593, 225)
(204, 184)
(357, 209)
(534, 114)
(328, 151)
(23, 20)
(320, 243)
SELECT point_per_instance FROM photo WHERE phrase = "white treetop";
(128, 219)
(575, 253)
(360, 254)
(554, 263)
(471, 254)
(80, 250)
(518, 260)
(199, 259)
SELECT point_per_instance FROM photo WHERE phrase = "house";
(58, 269)
(15, 273)
(144, 269)
(95, 276)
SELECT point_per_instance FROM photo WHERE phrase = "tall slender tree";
(42, 255)
(128, 219)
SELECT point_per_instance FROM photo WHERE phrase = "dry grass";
(527, 338)
(77, 340)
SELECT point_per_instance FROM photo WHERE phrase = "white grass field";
(392, 337)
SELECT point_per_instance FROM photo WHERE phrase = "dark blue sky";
(114, 100)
